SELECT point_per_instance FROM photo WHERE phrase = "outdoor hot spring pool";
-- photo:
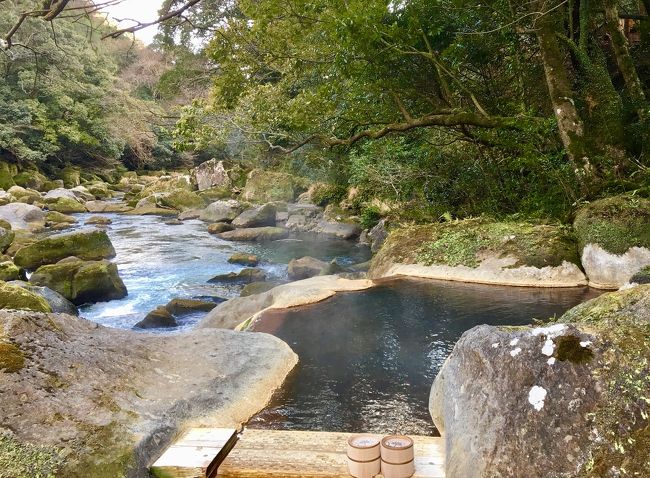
(368, 359)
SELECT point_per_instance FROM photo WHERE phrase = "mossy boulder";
(481, 250)
(27, 196)
(17, 298)
(180, 307)
(87, 244)
(157, 319)
(7, 173)
(58, 303)
(569, 398)
(614, 239)
(245, 276)
(182, 200)
(55, 217)
(10, 271)
(249, 260)
(7, 236)
(31, 180)
(81, 281)
(616, 224)
(267, 186)
(219, 227)
(71, 176)
(65, 205)
(100, 190)
(641, 277)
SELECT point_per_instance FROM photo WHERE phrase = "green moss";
(57, 218)
(12, 358)
(7, 173)
(31, 180)
(9, 271)
(615, 223)
(88, 245)
(621, 321)
(182, 200)
(65, 206)
(16, 298)
(71, 176)
(323, 194)
(569, 349)
(268, 186)
(465, 243)
(641, 277)
(23, 460)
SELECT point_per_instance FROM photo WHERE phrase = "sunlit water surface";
(368, 359)
(159, 262)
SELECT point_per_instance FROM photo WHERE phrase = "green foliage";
(324, 194)
(370, 216)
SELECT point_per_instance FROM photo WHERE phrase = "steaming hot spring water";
(367, 359)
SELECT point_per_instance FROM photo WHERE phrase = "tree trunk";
(623, 58)
(569, 122)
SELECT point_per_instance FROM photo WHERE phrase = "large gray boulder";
(211, 174)
(108, 402)
(568, 399)
(222, 211)
(306, 267)
(23, 216)
(256, 217)
(340, 230)
(89, 244)
(255, 234)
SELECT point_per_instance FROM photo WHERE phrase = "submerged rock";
(257, 234)
(110, 401)
(158, 318)
(219, 227)
(566, 399)
(614, 239)
(87, 244)
(245, 276)
(306, 267)
(222, 211)
(256, 217)
(250, 260)
(81, 281)
(17, 298)
(477, 250)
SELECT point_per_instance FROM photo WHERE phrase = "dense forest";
(428, 109)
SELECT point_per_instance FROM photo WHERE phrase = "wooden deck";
(280, 454)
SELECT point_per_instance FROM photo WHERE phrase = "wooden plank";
(197, 454)
(289, 454)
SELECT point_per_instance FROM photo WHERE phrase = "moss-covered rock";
(158, 318)
(267, 186)
(24, 195)
(641, 277)
(494, 252)
(31, 180)
(55, 217)
(71, 176)
(65, 205)
(10, 271)
(81, 282)
(7, 236)
(87, 245)
(616, 224)
(182, 200)
(256, 234)
(219, 227)
(23, 216)
(7, 173)
(100, 190)
(16, 298)
(566, 399)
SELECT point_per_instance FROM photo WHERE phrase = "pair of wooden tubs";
(392, 456)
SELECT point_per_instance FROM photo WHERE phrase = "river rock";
(222, 211)
(245, 276)
(10, 271)
(257, 234)
(219, 227)
(99, 220)
(306, 267)
(53, 218)
(27, 196)
(642, 276)
(104, 206)
(241, 312)
(57, 302)
(179, 199)
(151, 211)
(179, 307)
(210, 174)
(614, 239)
(71, 176)
(565, 399)
(190, 214)
(87, 244)
(158, 318)
(81, 281)
(83, 193)
(17, 298)
(61, 193)
(31, 180)
(267, 186)
(99, 190)
(7, 236)
(65, 205)
(340, 230)
(105, 383)
(377, 236)
(250, 260)
(256, 217)
(478, 250)
(258, 288)
(23, 216)
(6, 198)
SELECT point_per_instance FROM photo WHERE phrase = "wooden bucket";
(364, 456)
(401, 470)
(397, 449)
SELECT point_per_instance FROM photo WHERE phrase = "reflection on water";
(159, 262)
(368, 359)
